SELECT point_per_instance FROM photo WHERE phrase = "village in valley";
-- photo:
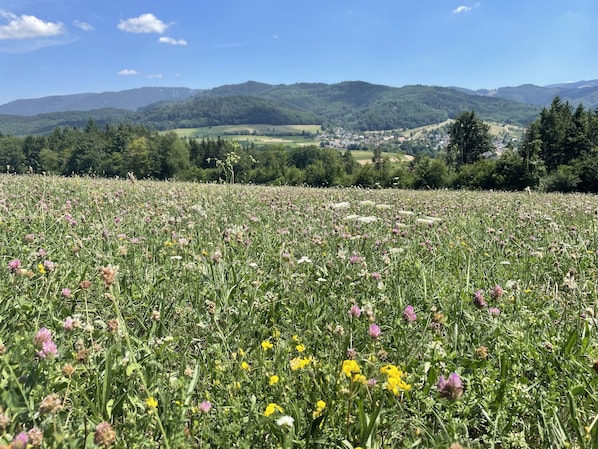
(427, 139)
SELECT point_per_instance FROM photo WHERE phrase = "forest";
(559, 152)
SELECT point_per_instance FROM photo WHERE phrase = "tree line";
(558, 153)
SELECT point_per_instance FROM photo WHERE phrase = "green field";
(141, 314)
(288, 135)
(496, 130)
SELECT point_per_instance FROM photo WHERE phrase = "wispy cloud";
(83, 25)
(172, 41)
(157, 76)
(145, 23)
(28, 27)
(128, 72)
(461, 9)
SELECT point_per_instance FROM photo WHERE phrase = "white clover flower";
(286, 421)
(304, 259)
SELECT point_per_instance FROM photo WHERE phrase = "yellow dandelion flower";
(272, 408)
(300, 347)
(245, 366)
(241, 352)
(41, 269)
(296, 338)
(273, 379)
(276, 333)
(266, 345)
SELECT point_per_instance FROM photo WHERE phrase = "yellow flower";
(296, 338)
(350, 367)
(241, 352)
(359, 379)
(394, 381)
(41, 269)
(266, 345)
(298, 363)
(320, 406)
(300, 347)
(245, 366)
(272, 408)
(276, 333)
(151, 403)
(273, 379)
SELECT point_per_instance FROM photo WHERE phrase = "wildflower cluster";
(44, 343)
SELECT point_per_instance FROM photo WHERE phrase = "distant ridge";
(355, 105)
(131, 99)
(585, 92)
(579, 92)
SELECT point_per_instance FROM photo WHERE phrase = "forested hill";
(353, 104)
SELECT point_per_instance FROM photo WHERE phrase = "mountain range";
(353, 104)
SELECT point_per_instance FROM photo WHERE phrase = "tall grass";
(189, 315)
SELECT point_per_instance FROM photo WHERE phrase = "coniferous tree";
(469, 139)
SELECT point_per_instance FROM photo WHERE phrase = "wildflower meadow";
(142, 314)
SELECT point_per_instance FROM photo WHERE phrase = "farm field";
(177, 315)
(290, 135)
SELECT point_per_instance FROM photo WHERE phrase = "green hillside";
(353, 105)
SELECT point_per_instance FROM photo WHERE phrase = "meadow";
(288, 135)
(177, 315)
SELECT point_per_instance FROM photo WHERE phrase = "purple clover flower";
(43, 335)
(451, 388)
(355, 311)
(14, 265)
(20, 441)
(496, 292)
(374, 331)
(409, 314)
(205, 407)
(49, 350)
(478, 299)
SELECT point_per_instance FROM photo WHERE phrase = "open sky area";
(53, 47)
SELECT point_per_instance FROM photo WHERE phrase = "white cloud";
(461, 9)
(171, 41)
(157, 76)
(83, 25)
(28, 27)
(128, 72)
(145, 23)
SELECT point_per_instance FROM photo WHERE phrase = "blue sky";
(52, 47)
